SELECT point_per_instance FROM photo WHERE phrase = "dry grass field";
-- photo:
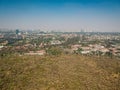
(64, 72)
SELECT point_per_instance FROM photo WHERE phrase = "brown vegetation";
(64, 72)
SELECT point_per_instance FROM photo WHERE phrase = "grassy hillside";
(65, 72)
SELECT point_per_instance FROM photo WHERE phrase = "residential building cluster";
(37, 42)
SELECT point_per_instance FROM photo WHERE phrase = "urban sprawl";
(43, 43)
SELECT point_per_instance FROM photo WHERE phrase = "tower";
(17, 31)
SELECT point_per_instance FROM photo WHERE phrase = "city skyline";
(61, 15)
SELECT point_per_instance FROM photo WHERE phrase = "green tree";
(54, 51)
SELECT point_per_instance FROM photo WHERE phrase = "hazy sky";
(64, 15)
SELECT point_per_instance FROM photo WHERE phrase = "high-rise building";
(17, 31)
(82, 31)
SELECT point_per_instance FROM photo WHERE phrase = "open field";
(64, 72)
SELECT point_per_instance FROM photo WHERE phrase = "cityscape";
(59, 44)
(38, 42)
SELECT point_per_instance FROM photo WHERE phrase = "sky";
(61, 15)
